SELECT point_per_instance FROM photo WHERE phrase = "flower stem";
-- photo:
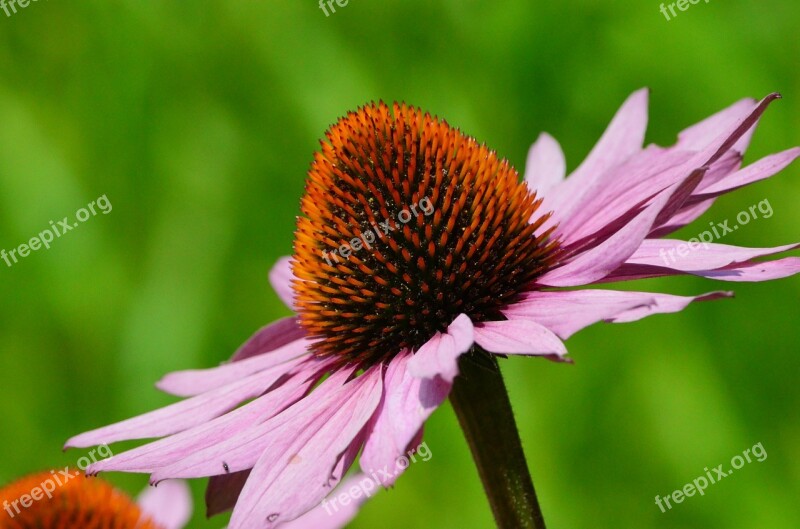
(481, 403)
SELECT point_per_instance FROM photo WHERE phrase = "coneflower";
(421, 255)
(72, 501)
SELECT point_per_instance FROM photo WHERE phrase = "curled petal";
(439, 356)
(522, 337)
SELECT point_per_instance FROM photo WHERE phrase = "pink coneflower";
(69, 500)
(393, 301)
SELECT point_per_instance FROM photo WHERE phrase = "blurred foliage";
(198, 120)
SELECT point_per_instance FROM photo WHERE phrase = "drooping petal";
(760, 170)
(439, 355)
(697, 256)
(546, 166)
(169, 505)
(281, 277)
(567, 312)
(184, 414)
(243, 450)
(750, 271)
(523, 337)
(292, 477)
(755, 271)
(407, 403)
(152, 457)
(664, 304)
(196, 381)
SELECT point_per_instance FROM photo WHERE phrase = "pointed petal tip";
(561, 359)
(281, 277)
(725, 294)
(77, 441)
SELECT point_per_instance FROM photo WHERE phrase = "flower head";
(382, 319)
(471, 251)
(67, 500)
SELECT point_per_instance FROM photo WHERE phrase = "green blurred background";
(198, 120)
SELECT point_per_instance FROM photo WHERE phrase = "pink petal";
(340, 507)
(407, 403)
(717, 151)
(699, 136)
(184, 414)
(725, 165)
(754, 272)
(622, 139)
(518, 337)
(710, 162)
(169, 505)
(292, 477)
(603, 259)
(751, 271)
(196, 381)
(281, 277)
(683, 217)
(242, 451)
(546, 166)
(664, 304)
(760, 170)
(741, 126)
(567, 312)
(269, 338)
(639, 178)
(680, 255)
(152, 457)
(439, 355)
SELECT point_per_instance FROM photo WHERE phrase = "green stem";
(481, 403)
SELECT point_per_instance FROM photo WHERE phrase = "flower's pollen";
(408, 223)
(79, 503)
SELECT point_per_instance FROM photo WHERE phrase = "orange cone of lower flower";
(68, 502)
